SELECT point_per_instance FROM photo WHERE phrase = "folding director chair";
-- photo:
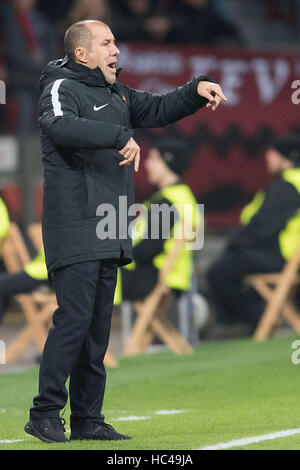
(151, 315)
(15, 255)
(277, 290)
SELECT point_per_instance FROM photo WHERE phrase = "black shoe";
(97, 430)
(47, 429)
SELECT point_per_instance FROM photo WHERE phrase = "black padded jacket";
(84, 122)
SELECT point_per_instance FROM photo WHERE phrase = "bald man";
(87, 119)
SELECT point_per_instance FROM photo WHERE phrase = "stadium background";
(248, 46)
(253, 52)
(256, 65)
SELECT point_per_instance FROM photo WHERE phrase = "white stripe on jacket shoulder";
(55, 98)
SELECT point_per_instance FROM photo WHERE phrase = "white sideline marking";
(159, 412)
(132, 418)
(11, 441)
(252, 440)
(169, 412)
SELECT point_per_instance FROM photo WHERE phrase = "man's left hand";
(131, 152)
(212, 92)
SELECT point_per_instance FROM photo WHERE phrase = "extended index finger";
(137, 162)
(219, 92)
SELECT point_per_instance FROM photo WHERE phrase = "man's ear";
(81, 54)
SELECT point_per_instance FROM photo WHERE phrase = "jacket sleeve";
(281, 203)
(59, 116)
(151, 110)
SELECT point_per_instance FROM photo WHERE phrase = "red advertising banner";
(263, 94)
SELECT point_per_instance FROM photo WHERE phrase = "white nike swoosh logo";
(99, 107)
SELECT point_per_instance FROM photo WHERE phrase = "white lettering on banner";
(232, 72)
(271, 76)
(145, 62)
(202, 65)
(295, 96)
(156, 85)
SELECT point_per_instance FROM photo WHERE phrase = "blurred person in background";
(90, 9)
(55, 11)
(165, 164)
(197, 21)
(29, 42)
(4, 222)
(28, 279)
(282, 21)
(263, 23)
(142, 20)
(268, 237)
(33, 276)
(57, 14)
(4, 229)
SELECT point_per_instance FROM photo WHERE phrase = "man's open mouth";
(113, 66)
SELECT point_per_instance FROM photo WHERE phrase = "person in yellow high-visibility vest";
(25, 281)
(267, 238)
(4, 221)
(154, 236)
(4, 228)
(32, 276)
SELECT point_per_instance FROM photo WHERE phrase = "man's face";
(276, 163)
(155, 167)
(103, 51)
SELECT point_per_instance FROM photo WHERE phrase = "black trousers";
(77, 342)
(233, 300)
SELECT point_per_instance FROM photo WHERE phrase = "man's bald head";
(92, 44)
(80, 34)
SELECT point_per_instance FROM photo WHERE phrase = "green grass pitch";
(229, 390)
